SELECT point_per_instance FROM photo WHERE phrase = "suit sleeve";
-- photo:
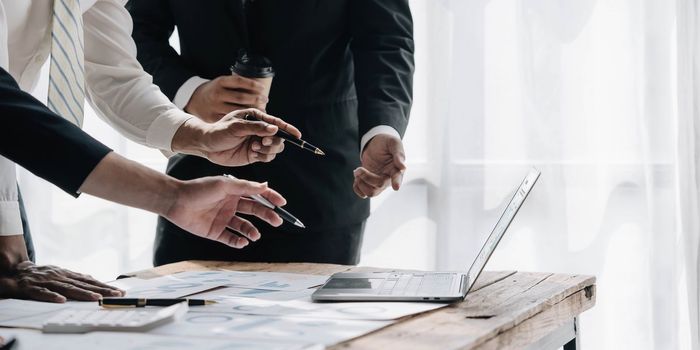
(382, 48)
(153, 25)
(43, 142)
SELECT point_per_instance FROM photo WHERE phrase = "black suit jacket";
(342, 67)
(42, 141)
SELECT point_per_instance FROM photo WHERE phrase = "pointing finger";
(241, 128)
(275, 121)
(239, 187)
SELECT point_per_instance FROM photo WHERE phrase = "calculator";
(132, 320)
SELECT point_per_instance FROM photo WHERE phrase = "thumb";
(398, 155)
(252, 128)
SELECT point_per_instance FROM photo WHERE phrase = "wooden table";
(506, 310)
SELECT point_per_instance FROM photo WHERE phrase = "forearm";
(123, 181)
(43, 142)
(189, 137)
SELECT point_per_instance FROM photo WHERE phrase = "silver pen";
(285, 215)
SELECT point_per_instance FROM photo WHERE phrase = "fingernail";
(116, 292)
(271, 127)
(356, 171)
(256, 147)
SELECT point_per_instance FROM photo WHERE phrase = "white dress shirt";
(116, 85)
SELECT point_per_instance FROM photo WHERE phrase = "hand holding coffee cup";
(254, 67)
(247, 87)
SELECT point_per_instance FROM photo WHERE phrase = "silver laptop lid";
(501, 226)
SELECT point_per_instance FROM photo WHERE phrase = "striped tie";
(66, 82)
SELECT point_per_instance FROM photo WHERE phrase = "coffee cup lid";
(253, 66)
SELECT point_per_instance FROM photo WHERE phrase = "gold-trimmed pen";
(291, 138)
(141, 302)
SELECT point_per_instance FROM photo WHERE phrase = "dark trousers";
(286, 244)
(25, 228)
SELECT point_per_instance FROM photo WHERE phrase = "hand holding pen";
(293, 139)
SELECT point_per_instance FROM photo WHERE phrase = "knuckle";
(25, 282)
(39, 290)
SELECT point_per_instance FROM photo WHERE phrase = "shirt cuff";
(161, 132)
(380, 129)
(183, 95)
(10, 220)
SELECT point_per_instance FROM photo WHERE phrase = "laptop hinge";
(464, 285)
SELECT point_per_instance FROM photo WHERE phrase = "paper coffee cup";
(255, 67)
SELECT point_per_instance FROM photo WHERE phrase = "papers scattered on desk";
(187, 283)
(371, 311)
(220, 325)
(30, 340)
(259, 310)
(162, 287)
(254, 279)
(227, 293)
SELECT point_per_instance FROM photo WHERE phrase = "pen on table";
(8, 344)
(141, 302)
(289, 137)
(285, 215)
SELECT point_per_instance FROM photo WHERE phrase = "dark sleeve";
(42, 141)
(153, 25)
(382, 47)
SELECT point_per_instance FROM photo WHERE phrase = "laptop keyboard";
(417, 284)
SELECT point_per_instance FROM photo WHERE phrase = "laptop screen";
(501, 226)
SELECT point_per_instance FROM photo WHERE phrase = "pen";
(289, 137)
(285, 215)
(141, 302)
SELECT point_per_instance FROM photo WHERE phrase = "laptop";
(423, 286)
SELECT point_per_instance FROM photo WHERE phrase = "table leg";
(574, 344)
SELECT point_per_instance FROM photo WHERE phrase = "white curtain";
(600, 95)
(688, 153)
